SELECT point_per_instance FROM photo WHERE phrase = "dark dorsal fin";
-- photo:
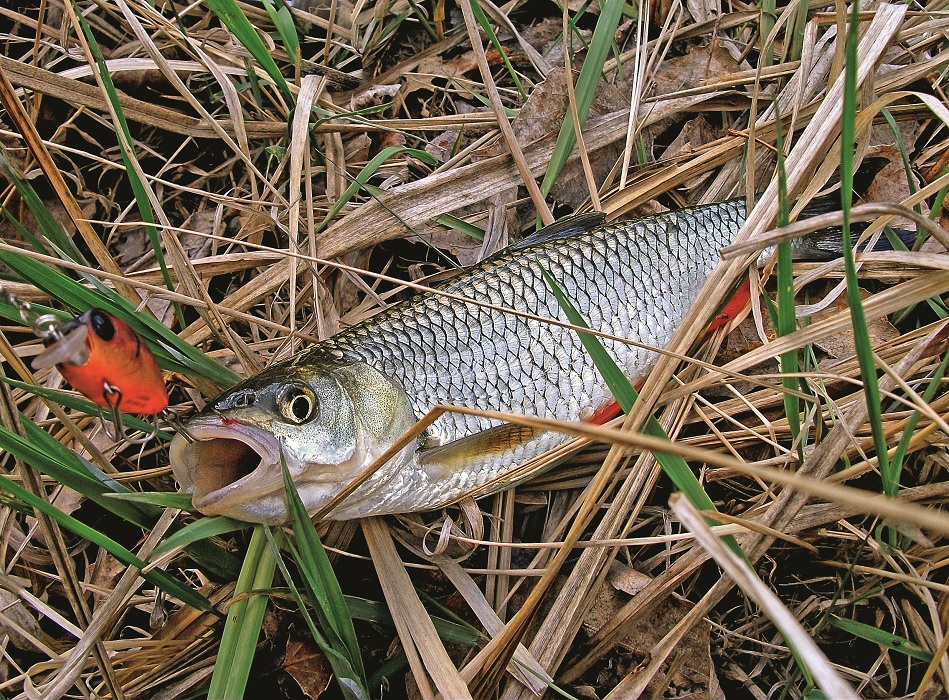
(565, 228)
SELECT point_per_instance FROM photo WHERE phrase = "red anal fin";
(612, 409)
(605, 414)
(733, 308)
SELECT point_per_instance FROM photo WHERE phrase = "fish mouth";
(225, 465)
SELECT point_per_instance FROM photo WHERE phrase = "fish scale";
(330, 411)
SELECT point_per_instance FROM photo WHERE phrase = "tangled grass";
(239, 180)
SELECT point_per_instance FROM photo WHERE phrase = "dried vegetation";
(288, 212)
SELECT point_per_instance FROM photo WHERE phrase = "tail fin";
(827, 243)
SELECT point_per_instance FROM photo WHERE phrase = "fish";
(331, 410)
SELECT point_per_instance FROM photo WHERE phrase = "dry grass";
(584, 574)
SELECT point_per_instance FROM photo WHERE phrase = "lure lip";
(71, 348)
(213, 490)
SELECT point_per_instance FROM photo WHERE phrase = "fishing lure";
(106, 361)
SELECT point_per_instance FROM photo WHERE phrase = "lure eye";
(102, 324)
(297, 403)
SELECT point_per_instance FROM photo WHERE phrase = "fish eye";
(297, 403)
(102, 324)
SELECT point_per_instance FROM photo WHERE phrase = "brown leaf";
(17, 616)
(626, 579)
(356, 148)
(889, 184)
(841, 345)
(307, 667)
(543, 115)
(693, 69)
(696, 676)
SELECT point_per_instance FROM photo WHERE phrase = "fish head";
(329, 423)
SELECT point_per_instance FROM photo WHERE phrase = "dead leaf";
(443, 146)
(544, 36)
(430, 69)
(543, 115)
(356, 148)
(840, 346)
(459, 244)
(700, 65)
(696, 678)
(17, 615)
(391, 139)
(132, 247)
(695, 133)
(106, 571)
(889, 184)
(626, 579)
(307, 667)
(375, 94)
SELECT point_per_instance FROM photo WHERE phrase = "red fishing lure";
(106, 361)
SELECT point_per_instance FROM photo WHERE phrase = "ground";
(239, 181)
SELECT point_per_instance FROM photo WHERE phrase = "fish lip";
(211, 494)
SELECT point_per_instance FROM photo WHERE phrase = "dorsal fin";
(565, 228)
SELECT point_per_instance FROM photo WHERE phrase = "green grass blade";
(171, 352)
(378, 612)
(868, 372)
(884, 639)
(344, 672)
(798, 28)
(453, 222)
(940, 198)
(127, 149)
(287, 30)
(466, 90)
(48, 224)
(157, 577)
(367, 172)
(899, 454)
(423, 20)
(244, 618)
(610, 13)
(904, 156)
(768, 13)
(786, 321)
(231, 15)
(674, 466)
(322, 586)
(493, 38)
(163, 499)
(199, 530)
(46, 455)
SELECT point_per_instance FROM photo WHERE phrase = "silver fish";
(334, 408)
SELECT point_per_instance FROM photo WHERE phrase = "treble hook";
(170, 416)
(113, 398)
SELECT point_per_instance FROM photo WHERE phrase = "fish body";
(332, 409)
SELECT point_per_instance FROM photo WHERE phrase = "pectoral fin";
(465, 453)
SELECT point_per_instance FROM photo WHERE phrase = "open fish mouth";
(225, 462)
